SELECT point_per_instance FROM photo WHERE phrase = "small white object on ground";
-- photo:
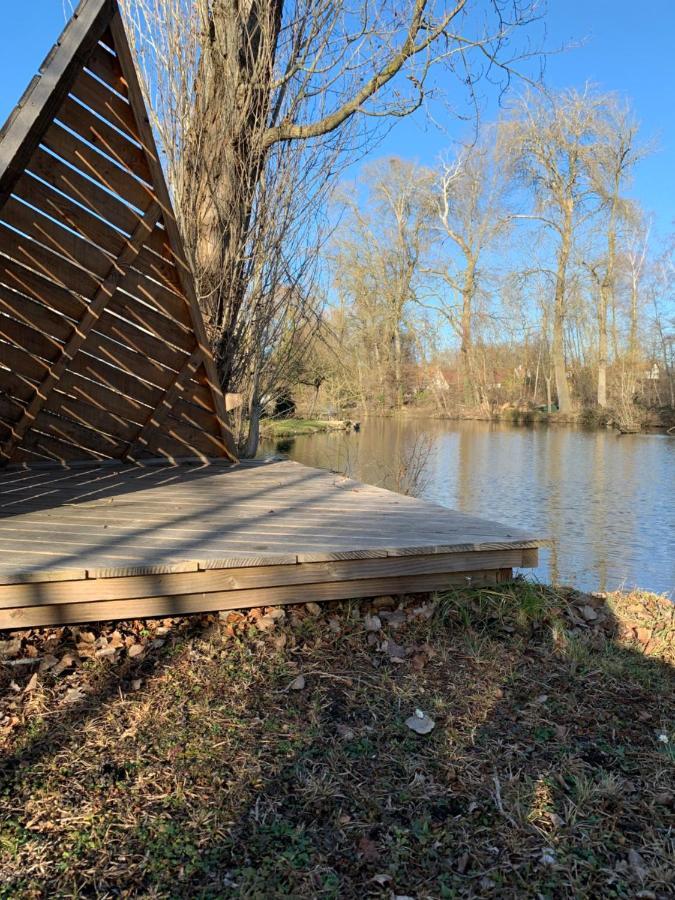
(420, 723)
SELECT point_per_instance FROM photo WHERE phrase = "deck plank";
(116, 520)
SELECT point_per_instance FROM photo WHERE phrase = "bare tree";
(613, 155)
(232, 84)
(554, 136)
(472, 214)
(377, 264)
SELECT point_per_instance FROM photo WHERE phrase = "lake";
(607, 501)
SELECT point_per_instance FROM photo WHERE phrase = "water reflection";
(608, 502)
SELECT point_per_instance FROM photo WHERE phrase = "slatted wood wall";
(103, 352)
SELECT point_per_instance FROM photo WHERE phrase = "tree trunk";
(633, 332)
(398, 367)
(253, 437)
(473, 391)
(559, 310)
(602, 345)
(607, 298)
(224, 156)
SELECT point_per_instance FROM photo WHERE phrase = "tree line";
(518, 273)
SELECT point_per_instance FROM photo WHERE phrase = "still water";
(606, 501)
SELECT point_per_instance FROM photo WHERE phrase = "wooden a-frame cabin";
(120, 493)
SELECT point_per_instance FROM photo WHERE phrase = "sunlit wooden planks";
(114, 541)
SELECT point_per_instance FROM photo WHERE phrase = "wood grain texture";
(94, 286)
(137, 582)
(183, 604)
(129, 517)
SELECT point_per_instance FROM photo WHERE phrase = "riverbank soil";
(274, 428)
(513, 742)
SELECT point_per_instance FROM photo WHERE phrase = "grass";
(294, 427)
(193, 770)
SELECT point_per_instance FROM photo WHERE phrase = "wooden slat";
(246, 578)
(39, 446)
(57, 239)
(198, 394)
(105, 104)
(50, 265)
(147, 140)
(115, 379)
(31, 313)
(10, 410)
(41, 288)
(71, 432)
(105, 138)
(159, 269)
(131, 361)
(16, 385)
(106, 67)
(179, 434)
(96, 166)
(84, 327)
(28, 339)
(88, 193)
(151, 347)
(69, 214)
(190, 603)
(90, 416)
(195, 416)
(103, 398)
(166, 446)
(167, 302)
(152, 320)
(173, 391)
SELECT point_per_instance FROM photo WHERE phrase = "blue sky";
(624, 49)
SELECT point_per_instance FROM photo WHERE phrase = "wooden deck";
(113, 541)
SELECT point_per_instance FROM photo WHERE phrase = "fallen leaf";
(298, 684)
(74, 695)
(548, 857)
(10, 648)
(368, 849)
(32, 684)
(135, 650)
(395, 651)
(276, 613)
(463, 863)
(372, 623)
(394, 619)
(313, 608)
(420, 723)
(48, 662)
(345, 732)
(637, 864)
(265, 623)
(65, 663)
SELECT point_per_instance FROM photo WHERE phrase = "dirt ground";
(512, 742)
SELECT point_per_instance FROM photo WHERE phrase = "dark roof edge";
(25, 125)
